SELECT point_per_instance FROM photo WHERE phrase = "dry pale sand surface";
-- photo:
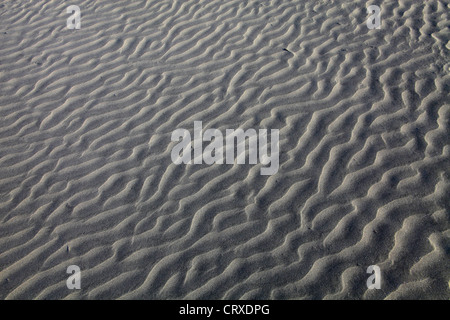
(87, 179)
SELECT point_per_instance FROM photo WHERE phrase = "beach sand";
(87, 179)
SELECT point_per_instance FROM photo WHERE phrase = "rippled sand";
(86, 176)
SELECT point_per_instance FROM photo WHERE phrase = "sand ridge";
(86, 176)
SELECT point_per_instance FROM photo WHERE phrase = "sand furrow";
(86, 175)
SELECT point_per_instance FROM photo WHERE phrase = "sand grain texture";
(86, 176)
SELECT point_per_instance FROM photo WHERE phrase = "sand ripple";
(86, 176)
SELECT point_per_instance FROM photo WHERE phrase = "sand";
(86, 176)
